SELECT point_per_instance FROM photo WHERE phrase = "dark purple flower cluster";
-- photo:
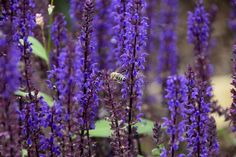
(233, 105)
(176, 99)
(200, 136)
(116, 117)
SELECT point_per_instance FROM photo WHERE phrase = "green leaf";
(157, 151)
(24, 153)
(46, 97)
(145, 126)
(103, 128)
(38, 49)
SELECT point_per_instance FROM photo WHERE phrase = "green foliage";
(24, 153)
(145, 126)
(156, 152)
(38, 49)
(46, 97)
(103, 129)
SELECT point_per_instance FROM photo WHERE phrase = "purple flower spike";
(122, 25)
(8, 10)
(103, 32)
(132, 59)
(88, 81)
(198, 35)
(233, 91)
(9, 78)
(213, 144)
(76, 12)
(59, 38)
(200, 129)
(176, 99)
(167, 55)
(9, 74)
(116, 116)
(232, 17)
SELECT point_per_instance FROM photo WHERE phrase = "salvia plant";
(73, 80)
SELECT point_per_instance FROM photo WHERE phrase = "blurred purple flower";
(198, 35)
(167, 55)
(232, 16)
(152, 15)
(76, 13)
(9, 73)
(9, 78)
(103, 33)
(59, 38)
(198, 28)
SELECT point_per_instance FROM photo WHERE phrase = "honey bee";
(118, 77)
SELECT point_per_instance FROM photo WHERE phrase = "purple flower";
(67, 81)
(157, 133)
(198, 28)
(122, 24)
(9, 78)
(116, 116)
(52, 120)
(198, 35)
(233, 91)
(8, 10)
(24, 22)
(9, 74)
(176, 99)
(132, 59)
(213, 144)
(167, 55)
(103, 32)
(200, 132)
(88, 81)
(152, 15)
(32, 117)
(76, 12)
(59, 38)
(232, 17)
